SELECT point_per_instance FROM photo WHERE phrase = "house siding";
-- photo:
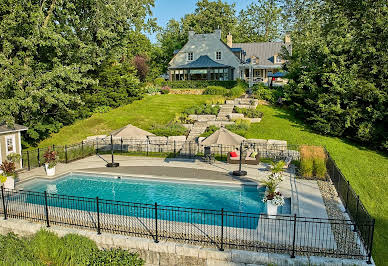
(206, 44)
(3, 146)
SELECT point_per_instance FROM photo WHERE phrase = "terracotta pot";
(49, 171)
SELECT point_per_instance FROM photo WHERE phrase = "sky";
(165, 10)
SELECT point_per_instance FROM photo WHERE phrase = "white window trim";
(13, 144)
(277, 59)
(220, 55)
(188, 58)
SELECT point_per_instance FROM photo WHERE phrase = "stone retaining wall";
(170, 253)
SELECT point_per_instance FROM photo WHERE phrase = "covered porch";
(254, 74)
(203, 68)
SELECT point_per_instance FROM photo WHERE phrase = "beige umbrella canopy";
(224, 137)
(131, 132)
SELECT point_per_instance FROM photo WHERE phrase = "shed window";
(10, 144)
(278, 59)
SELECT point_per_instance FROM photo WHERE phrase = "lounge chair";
(287, 162)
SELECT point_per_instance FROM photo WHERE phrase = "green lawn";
(158, 109)
(366, 170)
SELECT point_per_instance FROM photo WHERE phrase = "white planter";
(9, 183)
(49, 171)
(272, 209)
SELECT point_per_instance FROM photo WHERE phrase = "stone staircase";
(197, 130)
(224, 111)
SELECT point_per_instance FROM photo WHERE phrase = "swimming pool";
(234, 198)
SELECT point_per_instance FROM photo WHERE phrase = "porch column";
(208, 74)
(250, 75)
(188, 74)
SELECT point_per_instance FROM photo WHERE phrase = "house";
(10, 141)
(207, 57)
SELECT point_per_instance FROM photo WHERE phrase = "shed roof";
(14, 128)
(203, 61)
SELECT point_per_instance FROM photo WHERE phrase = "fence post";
(190, 149)
(4, 206)
(82, 148)
(147, 145)
(46, 208)
(174, 148)
(28, 160)
(39, 158)
(222, 230)
(96, 145)
(371, 241)
(156, 223)
(221, 152)
(347, 197)
(294, 238)
(356, 216)
(66, 153)
(53, 147)
(98, 217)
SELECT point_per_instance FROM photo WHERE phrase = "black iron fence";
(156, 147)
(351, 201)
(218, 228)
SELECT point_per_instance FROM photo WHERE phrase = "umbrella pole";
(240, 172)
(112, 164)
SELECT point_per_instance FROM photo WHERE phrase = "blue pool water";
(201, 196)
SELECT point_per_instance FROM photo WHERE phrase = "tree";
(51, 53)
(338, 81)
(261, 22)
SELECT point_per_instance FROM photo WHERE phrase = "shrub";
(102, 109)
(205, 109)
(165, 90)
(250, 113)
(236, 91)
(199, 84)
(209, 130)
(312, 161)
(172, 129)
(152, 90)
(262, 92)
(159, 82)
(115, 257)
(215, 90)
(240, 127)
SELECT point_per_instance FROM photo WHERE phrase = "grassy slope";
(159, 109)
(366, 170)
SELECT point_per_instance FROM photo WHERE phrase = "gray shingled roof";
(265, 51)
(15, 128)
(203, 61)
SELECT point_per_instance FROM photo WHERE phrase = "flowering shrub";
(8, 168)
(165, 90)
(272, 195)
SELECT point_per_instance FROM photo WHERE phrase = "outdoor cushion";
(253, 154)
(233, 154)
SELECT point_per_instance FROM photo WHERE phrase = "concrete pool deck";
(306, 199)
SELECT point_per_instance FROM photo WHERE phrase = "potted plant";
(51, 160)
(8, 174)
(272, 196)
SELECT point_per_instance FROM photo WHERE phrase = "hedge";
(199, 84)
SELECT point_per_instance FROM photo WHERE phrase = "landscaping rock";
(254, 120)
(279, 145)
(235, 116)
(188, 126)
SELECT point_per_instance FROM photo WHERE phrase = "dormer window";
(218, 55)
(278, 59)
(190, 56)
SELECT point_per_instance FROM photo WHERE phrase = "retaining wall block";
(242, 256)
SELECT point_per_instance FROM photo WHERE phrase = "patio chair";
(287, 162)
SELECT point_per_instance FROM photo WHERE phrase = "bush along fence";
(360, 222)
(216, 228)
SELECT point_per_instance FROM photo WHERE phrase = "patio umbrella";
(224, 137)
(131, 132)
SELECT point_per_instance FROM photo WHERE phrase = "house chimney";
(287, 38)
(229, 40)
(191, 34)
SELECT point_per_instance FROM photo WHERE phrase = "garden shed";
(10, 141)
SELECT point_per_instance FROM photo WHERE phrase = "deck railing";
(222, 229)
